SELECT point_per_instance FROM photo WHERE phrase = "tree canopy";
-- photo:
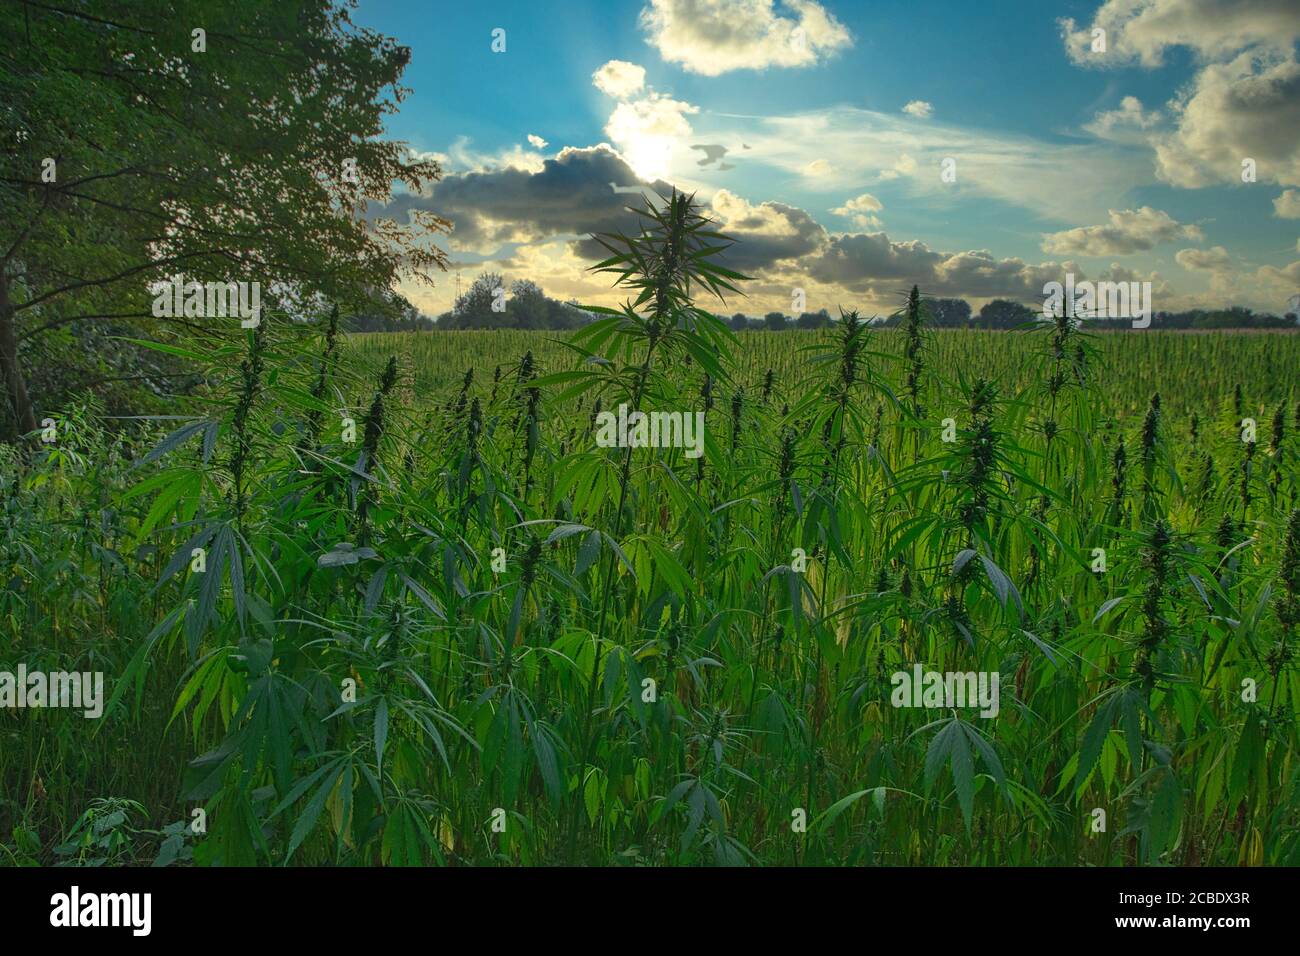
(492, 303)
(233, 142)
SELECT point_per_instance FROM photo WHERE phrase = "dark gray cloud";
(587, 191)
(872, 262)
(571, 194)
(712, 153)
(766, 234)
(858, 261)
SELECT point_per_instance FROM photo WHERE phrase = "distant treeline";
(410, 321)
(488, 304)
(1005, 314)
(492, 304)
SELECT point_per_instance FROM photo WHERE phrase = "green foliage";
(249, 159)
(647, 671)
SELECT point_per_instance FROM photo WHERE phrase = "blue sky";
(837, 119)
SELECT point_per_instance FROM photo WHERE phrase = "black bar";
(338, 905)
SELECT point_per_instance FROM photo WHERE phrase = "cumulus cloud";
(980, 274)
(536, 141)
(766, 233)
(647, 131)
(1122, 273)
(1269, 288)
(818, 168)
(861, 210)
(1247, 108)
(859, 260)
(619, 79)
(1124, 123)
(1244, 103)
(875, 265)
(569, 195)
(510, 216)
(1129, 231)
(1287, 205)
(1204, 260)
(461, 156)
(1276, 283)
(905, 165)
(537, 223)
(919, 108)
(712, 37)
(1140, 31)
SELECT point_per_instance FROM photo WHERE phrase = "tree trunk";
(15, 385)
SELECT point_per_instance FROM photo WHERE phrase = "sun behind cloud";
(647, 129)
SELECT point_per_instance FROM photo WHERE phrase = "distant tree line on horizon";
(490, 304)
(523, 305)
(1006, 314)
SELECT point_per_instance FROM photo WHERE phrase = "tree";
(1005, 314)
(386, 311)
(814, 320)
(473, 310)
(739, 322)
(526, 290)
(949, 313)
(142, 146)
(775, 321)
(526, 307)
(1235, 317)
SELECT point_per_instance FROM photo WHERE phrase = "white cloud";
(1127, 232)
(648, 131)
(1204, 260)
(712, 37)
(1268, 288)
(619, 79)
(462, 157)
(1073, 182)
(905, 165)
(1125, 123)
(769, 235)
(1244, 103)
(861, 210)
(818, 168)
(739, 213)
(920, 109)
(648, 128)
(1248, 108)
(536, 141)
(1140, 31)
(1287, 205)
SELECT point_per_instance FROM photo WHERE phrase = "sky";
(852, 149)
